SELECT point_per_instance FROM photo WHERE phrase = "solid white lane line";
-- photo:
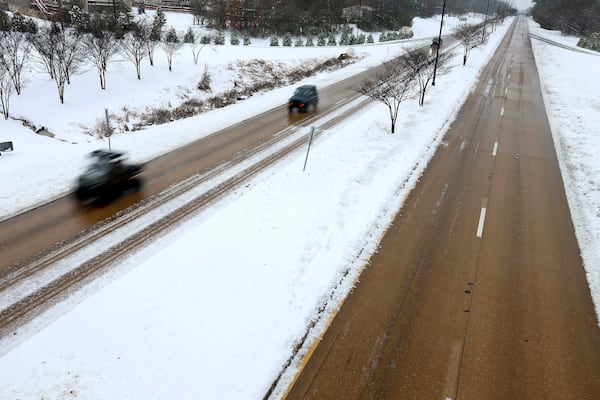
(495, 151)
(481, 222)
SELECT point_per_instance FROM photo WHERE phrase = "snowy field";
(571, 93)
(214, 309)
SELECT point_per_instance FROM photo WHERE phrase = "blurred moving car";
(107, 178)
(304, 97)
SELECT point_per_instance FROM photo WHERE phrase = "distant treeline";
(574, 17)
(314, 16)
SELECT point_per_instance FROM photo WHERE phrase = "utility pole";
(437, 51)
(487, 9)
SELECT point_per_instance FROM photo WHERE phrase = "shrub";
(187, 109)
(321, 39)
(345, 39)
(220, 38)
(234, 39)
(204, 83)
(157, 116)
(223, 100)
(189, 36)
(287, 39)
(591, 42)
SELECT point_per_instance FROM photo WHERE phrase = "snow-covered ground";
(214, 309)
(571, 93)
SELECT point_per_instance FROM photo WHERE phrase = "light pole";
(487, 9)
(437, 51)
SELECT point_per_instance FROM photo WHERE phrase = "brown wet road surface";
(478, 289)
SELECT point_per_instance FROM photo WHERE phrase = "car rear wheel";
(134, 185)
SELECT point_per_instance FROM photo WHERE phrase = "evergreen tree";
(4, 21)
(79, 20)
(321, 39)
(17, 22)
(309, 41)
(220, 38)
(158, 23)
(234, 39)
(189, 36)
(331, 41)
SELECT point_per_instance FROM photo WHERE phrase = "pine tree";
(189, 36)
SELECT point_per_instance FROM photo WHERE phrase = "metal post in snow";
(310, 139)
(108, 132)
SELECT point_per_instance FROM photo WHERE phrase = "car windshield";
(98, 169)
(303, 91)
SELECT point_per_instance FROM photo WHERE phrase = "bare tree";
(468, 34)
(61, 52)
(15, 50)
(199, 9)
(6, 88)
(71, 52)
(190, 38)
(44, 45)
(133, 46)
(391, 88)
(170, 45)
(422, 66)
(102, 47)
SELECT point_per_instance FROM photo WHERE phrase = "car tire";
(134, 185)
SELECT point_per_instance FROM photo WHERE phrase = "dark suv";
(304, 97)
(107, 178)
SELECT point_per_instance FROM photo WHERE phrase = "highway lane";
(478, 289)
(28, 236)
